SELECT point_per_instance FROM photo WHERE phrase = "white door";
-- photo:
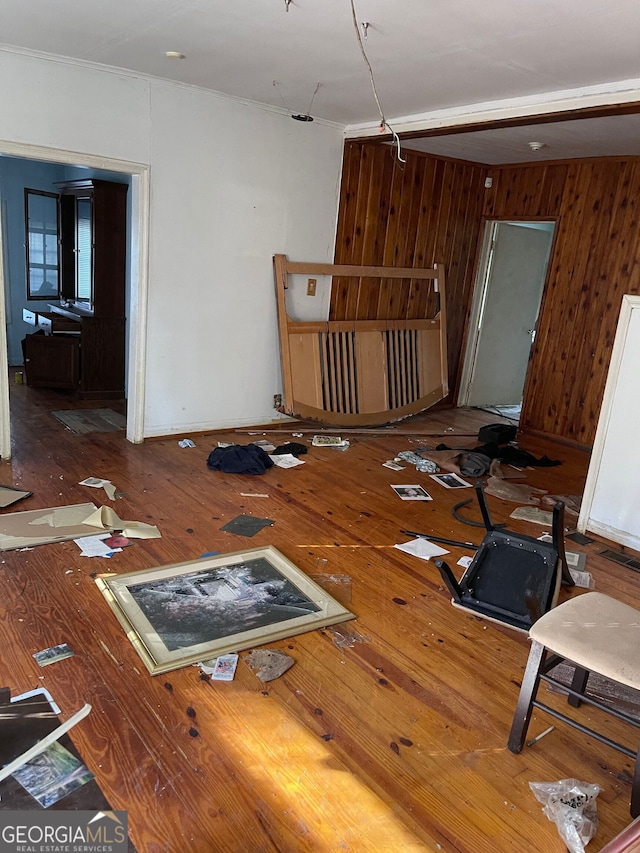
(511, 290)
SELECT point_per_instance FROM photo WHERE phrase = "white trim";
(621, 537)
(630, 303)
(5, 416)
(604, 95)
(137, 309)
(479, 290)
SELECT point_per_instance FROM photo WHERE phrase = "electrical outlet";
(311, 286)
(277, 401)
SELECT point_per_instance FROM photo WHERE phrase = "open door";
(506, 304)
(364, 372)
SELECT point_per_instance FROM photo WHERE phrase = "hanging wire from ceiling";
(384, 124)
(298, 116)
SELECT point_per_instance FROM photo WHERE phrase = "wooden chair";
(513, 578)
(594, 633)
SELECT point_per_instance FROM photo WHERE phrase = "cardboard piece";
(106, 519)
(9, 495)
(44, 526)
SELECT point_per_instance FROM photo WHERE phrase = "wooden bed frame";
(362, 372)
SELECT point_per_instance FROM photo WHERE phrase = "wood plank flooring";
(394, 740)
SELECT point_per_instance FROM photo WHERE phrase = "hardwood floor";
(393, 742)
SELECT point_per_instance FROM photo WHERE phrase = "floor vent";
(622, 559)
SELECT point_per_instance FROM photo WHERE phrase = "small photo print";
(328, 441)
(451, 481)
(412, 493)
(391, 463)
(225, 668)
(55, 653)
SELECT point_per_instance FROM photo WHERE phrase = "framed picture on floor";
(183, 613)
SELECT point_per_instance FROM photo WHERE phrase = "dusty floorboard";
(393, 742)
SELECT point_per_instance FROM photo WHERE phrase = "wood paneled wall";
(425, 212)
(433, 210)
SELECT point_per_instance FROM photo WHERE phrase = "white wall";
(612, 490)
(232, 184)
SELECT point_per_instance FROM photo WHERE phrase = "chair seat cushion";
(595, 632)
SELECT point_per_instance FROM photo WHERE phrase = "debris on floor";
(186, 442)
(44, 526)
(571, 805)
(10, 495)
(425, 466)
(97, 546)
(99, 483)
(347, 638)
(514, 492)
(106, 519)
(286, 460)
(533, 514)
(422, 548)
(269, 664)
(222, 668)
(53, 654)
(246, 525)
(329, 441)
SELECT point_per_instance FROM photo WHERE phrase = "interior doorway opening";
(137, 275)
(508, 292)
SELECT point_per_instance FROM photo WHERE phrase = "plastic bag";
(571, 805)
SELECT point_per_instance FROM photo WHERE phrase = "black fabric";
(515, 456)
(509, 454)
(239, 459)
(498, 433)
(290, 447)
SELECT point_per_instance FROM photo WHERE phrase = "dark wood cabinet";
(80, 343)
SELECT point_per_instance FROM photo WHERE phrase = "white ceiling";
(426, 56)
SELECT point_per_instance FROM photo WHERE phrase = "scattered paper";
(582, 579)
(422, 548)
(286, 460)
(106, 519)
(465, 562)
(186, 442)
(95, 546)
(99, 483)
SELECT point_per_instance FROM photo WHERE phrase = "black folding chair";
(513, 578)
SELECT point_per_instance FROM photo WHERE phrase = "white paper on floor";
(421, 548)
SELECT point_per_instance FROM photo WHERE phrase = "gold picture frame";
(184, 613)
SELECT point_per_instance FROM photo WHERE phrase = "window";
(41, 226)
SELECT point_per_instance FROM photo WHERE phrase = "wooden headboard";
(362, 372)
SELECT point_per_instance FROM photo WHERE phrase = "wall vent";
(622, 559)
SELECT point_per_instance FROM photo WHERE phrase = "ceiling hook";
(365, 27)
(287, 3)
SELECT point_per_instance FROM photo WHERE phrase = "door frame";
(480, 288)
(138, 267)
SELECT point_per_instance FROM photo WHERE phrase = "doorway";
(137, 280)
(506, 302)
